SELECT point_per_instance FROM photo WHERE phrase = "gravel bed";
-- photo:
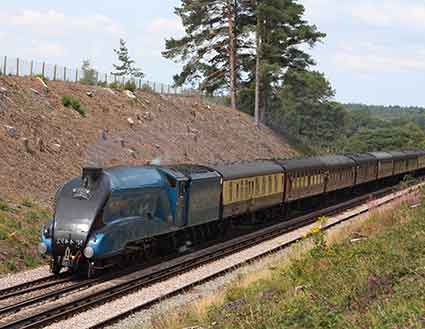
(11, 280)
(183, 281)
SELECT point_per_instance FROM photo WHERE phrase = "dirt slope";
(43, 143)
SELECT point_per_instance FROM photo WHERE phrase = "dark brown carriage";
(413, 160)
(249, 186)
(341, 172)
(303, 177)
(400, 160)
(366, 167)
(385, 164)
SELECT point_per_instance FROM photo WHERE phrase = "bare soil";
(50, 143)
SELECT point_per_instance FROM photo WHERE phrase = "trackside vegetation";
(375, 279)
(19, 234)
(74, 103)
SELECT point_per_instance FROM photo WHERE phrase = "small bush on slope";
(70, 101)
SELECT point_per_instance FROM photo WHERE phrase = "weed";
(130, 85)
(27, 202)
(4, 206)
(70, 101)
(115, 85)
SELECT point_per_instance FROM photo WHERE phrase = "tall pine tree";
(209, 48)
(280, 30)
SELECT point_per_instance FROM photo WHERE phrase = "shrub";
(130, 85)
(115, 85)
(70, 101)
(28, 203)
(147, 88)
(4, 206)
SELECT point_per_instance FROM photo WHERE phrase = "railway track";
(132, 282)
(30, 286)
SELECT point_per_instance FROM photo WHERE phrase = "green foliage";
(126, 64)
(89, 74)
(147, 89)
(115, 85)
(130, 85)
(73, 102)
(409, 136)
(19, 236)
(4, 206)
(210, 43)
(27, 202)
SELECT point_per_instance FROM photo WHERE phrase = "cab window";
(146, 204)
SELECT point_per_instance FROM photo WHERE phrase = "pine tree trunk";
(258, 72)
(232, 52)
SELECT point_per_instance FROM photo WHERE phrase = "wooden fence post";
(54, 72)
(76, 75)
(43, 69)
(106, 79)
(64, 73)
(5, 65)
(17, 67)
(32, 68)
(140, 83)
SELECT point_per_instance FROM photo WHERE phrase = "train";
(110, 215)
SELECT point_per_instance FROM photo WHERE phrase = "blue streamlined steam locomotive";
(110, 215)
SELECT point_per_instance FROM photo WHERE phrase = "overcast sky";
(374, 52)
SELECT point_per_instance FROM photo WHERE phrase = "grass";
(376, 282)
(19, 234)
(73, 102)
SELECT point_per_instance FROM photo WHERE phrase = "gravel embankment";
(11, 280)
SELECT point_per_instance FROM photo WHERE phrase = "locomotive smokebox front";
(78, 204)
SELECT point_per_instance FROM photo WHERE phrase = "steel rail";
(30, 286)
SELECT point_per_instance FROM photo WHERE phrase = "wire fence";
(20, 67)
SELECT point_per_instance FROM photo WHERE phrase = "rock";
(27, 146)
(110, 91)
(148, 116)
(11, 131)
(3, 91)
(192, 130)
(131, 121)
(56, 147)
(91, 93)
(130, 94)
(35, 91)
(132, 153)
(41, 145)
(105, 134)
(157, 146)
